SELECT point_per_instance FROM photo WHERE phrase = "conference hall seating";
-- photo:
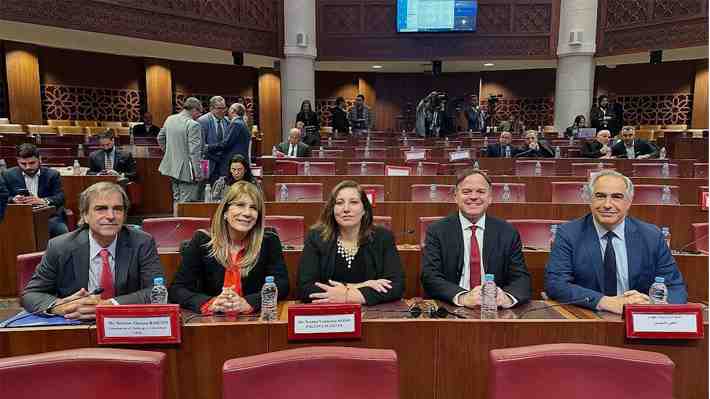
(26, 265)
(171, 232)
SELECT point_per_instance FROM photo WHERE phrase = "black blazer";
(498, 151)
(141, 131)
(641, 147)
(381, 261)
(3, 197)
(49, 186)
(123, 163)
(340, 120)
(442, 258)
(200, 277)
(542, 152)
(303, 150)
(591, 149)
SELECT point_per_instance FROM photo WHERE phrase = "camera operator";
(476, 115)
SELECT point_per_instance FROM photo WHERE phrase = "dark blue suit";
(575, 268)
(49, 188)
(236, 141)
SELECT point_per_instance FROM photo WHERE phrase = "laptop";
(585, 133)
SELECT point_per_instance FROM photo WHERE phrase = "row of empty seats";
(62, 130)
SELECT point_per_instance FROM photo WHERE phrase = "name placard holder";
(664, 321)
(138, 324)
(324, 321)
(704, 200)
(459, 155)
(415, 155)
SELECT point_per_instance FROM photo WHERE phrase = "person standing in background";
(214, 127)
(359, 115)
(237, 140)
(340, 117)
(311, 124)
(147, 128)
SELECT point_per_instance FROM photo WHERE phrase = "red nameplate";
(664, 321)
(138, 324)
(704, 200)
(324, 321)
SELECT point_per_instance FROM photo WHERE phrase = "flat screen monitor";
(586, 133)
(436, 15)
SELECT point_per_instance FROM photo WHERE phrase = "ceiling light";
(377, 67)
(488, 64)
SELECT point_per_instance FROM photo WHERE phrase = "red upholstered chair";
(700, 170)
(454, 168)
(428, 168)
(424, 223)
(535, 233)
(517, 192)
(384, 221)
(527, 168)
(155, 152)
(700, 237)
(569, 192)
(650, 194)
(379, 191)
(423, 192)
(315, 372)
(370, 153)
(327, 153)
(586, 168)
(654, 169)
(578, 371)
(95, 373)
(170, 232)
(372, 168)
(300, 192)
(285, 167)
(289, 228)
(26, 265)
(135, 193)
(57, 152)
(317, 168)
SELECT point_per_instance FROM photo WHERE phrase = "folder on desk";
(23, 320)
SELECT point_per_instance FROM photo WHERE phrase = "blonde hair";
(219, 242)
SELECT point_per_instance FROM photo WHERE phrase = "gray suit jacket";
(303, 150)
(181, 140)
(64, 269)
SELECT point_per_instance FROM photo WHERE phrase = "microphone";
(46, 311)
(586, 299)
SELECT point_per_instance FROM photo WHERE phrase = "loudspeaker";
(656, 57)
(436, 67)
(238, 57)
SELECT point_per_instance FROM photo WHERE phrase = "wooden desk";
(23, 230)
(74, 185)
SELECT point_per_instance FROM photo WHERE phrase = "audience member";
(146, 129)
(617, 111)
(534, 148)
(424, 115)
(340, 116)
(294, 148)
(214, 127)
(237, 141)
(632, 148)
(311, 124)
(579, 122)
(239, 170)
(599, 147)
(498, 150)
(475, 115)
(359, 114)
(111, 161)
(601, 115)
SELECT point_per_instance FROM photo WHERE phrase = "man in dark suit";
(294, 148)
(599, 147)
(607, 259)
(535, 148)
(602, 116)
(617, 115)
(110, 161)
(102, 253)
(147, 128)
(3, 197)
(31, 184)
(464, 246)
(214, 125)
(475, 116)
(236, 141)
(632, 148)
(498, 150)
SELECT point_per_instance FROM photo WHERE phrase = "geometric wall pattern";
(229, 99)
(90, 103)
(323, 108)
(532, 111)
(657, 109)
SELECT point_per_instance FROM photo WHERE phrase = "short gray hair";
(217, 100)
(608, 172)
(101, 188)
(237, 108)
(192, 104)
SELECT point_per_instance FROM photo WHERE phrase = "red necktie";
(474, 262)
(106, 275)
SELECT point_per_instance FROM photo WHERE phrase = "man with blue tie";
(607, 259)
(214, 130)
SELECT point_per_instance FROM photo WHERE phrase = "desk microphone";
(46, 311)
(586, 299)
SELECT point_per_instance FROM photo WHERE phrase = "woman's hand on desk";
(381, 285)
(229, 301)
(336, 292)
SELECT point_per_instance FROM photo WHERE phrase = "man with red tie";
(462, 247)
(102, 253)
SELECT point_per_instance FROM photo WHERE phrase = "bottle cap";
(158, 281)
(269, 279)
(489, 277)
(660, 280)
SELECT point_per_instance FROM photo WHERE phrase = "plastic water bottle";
(432, 192)
(446, 141)
(283, 193)
(363, 169)
(273, 151)
(131, 139)
(584, 193)
(489, 296)
(321, 153)
(80, 151)
(76, 168)
(662, 153)
(558, 152)
(420, 169)
(539, 130)
(506, 196)
(458, 147)
(666, 195)
(330, 141)
(507, 151)
(553, 233)
(367, 152)
(208, 192)
(307, 168)
(666, 232)
(665, 170)
(38, 138)
(3, 165)
(159, 294)
(538, 169)
(367, 141)
(485, 141)
(476, 165)
(658, 293)
(404, 141)
(571, 140)
(269, 299)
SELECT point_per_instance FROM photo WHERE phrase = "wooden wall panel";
(336, 84)
(159, 92)
(269, 109)
(23, 84)
(81, 68)
(700, 97)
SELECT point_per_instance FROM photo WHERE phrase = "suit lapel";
(489, 234)
(633, 254)
(593, 251)
(457, 235)
(124, 254)
(80, 259)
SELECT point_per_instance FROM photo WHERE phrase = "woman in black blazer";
(224, 270)
(346, 259)
(311, 124)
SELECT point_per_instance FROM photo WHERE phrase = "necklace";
(347, 253)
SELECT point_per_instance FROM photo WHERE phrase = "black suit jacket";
(49, 186)
(3, 197)
(381, 261)
(123, 163)
(141, 131)
(641, 147)
(498, 151)
(201, 277)
(442, 258)
(542, 152)
(303, 150)
(591, 149)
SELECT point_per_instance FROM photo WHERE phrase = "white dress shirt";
(32, 183)
(622, 261)
(292, 150)
(96, 265)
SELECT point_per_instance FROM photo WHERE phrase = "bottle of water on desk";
(489, 296)
(485, 141)
(658, 293)
(558, 152)
(307, 168)
(208, 192)
(665, 170)
(159, 294)
(80, 151)
(76, 168)
(269, 299)
(507, 151)
(662, 153)
(3, 165)
(273, 151)
(538, 169)
(553, 233)
(666, 195)
(283, 193)
(666, 232)
(363, 169)
(432, 192)
(420, 169)
(506, 196)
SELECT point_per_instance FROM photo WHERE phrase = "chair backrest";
(327, 153)
(700, 237)
(516, 192)
(11, 128)
(535, 233)
(428, 168)
(59, 122)
(586, 168)
(676, 127)
(379, 190)
(384, 221)
(111, 124)
(372, 168)
(71, 130)
(700, 170)
(317, 168)
(527, 168)
(285, 167)
(42, 129)
(423, 225)
(57, 152)
(289, 228)
(651, 194)
(299, 192)
(453, 168)
(432, 192)
(103, 372)
(569, 192)
(654, 169)
(26, 265)
(370, 153)
(579, 371)
(321, 372)
(86, 123)
(170, 232)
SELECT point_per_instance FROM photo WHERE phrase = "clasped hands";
(79, 306)
(28, 200)
(472, 298)
(615, 304)
(336, 292)
(230, 301)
